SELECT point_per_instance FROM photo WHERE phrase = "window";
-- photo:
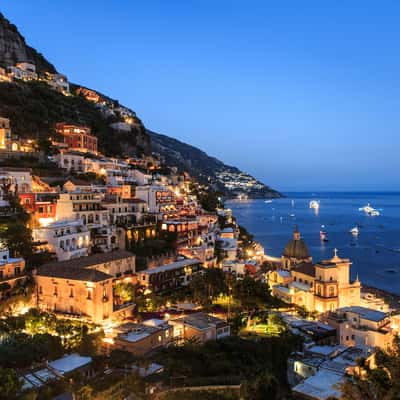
(55, 291)
(71, 293)
(40, 290)
(331, 291)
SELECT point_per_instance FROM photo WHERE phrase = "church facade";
(324, 286)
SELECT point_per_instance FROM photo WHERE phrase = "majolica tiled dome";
(296, 248)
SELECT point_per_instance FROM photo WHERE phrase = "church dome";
(296, 248)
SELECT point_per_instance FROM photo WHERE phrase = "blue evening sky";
(305, 95)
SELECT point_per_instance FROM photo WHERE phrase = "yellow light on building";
(45, 221)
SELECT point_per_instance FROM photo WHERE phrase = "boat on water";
(314, 204)
(268, 201)
(293, 215)
(369, 210)
(355, 231)
(323, 235)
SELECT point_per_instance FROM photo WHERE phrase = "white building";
(71, 161)
(20, 178)
(58, 82)
(67, 239)
(362, 326)
(158, 198)
(25, 71)
(85, 206)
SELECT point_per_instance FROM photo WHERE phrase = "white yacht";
(368, 209)
(314, 204)
(354, 231)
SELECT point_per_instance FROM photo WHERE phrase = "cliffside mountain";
(34, 108)
(209, 170)
(13, 49)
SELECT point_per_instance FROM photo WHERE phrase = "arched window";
(331, 291)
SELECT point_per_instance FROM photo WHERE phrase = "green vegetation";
(231, 361)
(380, 381)
(203, 395)
(9, 384)
(34, 109)
(36, 336)
(199, 164)
(124, 292)
(205, 288)
(14, 231)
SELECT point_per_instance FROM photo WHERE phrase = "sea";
(374, 253)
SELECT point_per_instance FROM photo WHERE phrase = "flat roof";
(132, 332)
(365, 313)
(320, 386)
(326, 350)
(69, 363)
(200, 320)
(170, 267)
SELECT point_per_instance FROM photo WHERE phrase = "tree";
(124, 292)
(91, 343)
(252, 295)
(379, 381)
(120, 358)
(209, 285)
(9, 384)
(84, 393)
(263, 386)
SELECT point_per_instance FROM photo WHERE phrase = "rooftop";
(69, 363)
(172, 266)
(72, 273)
(320, 386)
(365, 313)
(200, 321)
(133, 333)
(306, 269)
(85, 262)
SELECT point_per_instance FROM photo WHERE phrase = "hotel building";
(77, 137)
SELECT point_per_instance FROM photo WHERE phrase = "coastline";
(391, 298)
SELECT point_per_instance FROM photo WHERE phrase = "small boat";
(369, 210)
(314, 204)
(354, 231)
(323, 234)
(293, 215)
(268, 201)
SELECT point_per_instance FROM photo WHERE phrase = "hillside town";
(124, 277)
(144, 260)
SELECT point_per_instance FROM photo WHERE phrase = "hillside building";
(77, 137)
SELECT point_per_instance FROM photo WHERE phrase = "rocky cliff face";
(13, 49)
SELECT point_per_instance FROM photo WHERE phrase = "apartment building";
(66, 239)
